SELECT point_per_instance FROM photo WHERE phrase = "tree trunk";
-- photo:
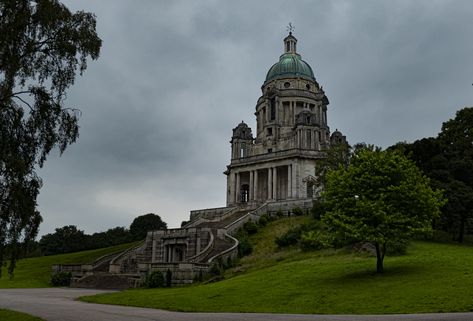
(379, 257)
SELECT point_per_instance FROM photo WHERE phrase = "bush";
(262, 221)
(61, 279)
(316, 240)
(244, 247)
(289, 238)
(318, 209)
(297, 211)
(155, 279)
(250, 227)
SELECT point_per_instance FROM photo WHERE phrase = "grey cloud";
(175, 77)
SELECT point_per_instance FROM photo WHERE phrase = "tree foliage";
(42, 46)
(448, 160)
(381, 198)
(144, 223)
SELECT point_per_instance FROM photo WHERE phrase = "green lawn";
(9, 315)
(36, 272)
(432, 277)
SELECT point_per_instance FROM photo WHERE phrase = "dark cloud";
(174, 78)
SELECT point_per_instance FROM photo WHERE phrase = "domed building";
(278, 165)
(270, 172)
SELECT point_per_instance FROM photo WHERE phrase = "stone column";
(270, 181)
(275, 182)
(251, 191)
(289, 181)
(231, 186)
(153, 251)
(237, 189)
(255, 182)
(295, 192)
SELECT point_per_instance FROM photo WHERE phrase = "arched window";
(310, 189)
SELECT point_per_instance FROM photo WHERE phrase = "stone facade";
(291, 135)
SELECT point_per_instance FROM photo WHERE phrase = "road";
(58, 304)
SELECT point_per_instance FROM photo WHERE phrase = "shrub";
(155, 279)
(316, 240)
(289, 238)
(263, 220)
(297, 211)
(279, 214)
(250, 227)
(318, 209)
(244, 247)
(61, 279)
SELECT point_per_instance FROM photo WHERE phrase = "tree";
(381, 198)
(65, 239)
(144, 223)
(448, 161)
(335, 156)
(42, 46)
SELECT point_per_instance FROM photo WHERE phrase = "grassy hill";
(9, 315)
(36, 272)
(432, 277)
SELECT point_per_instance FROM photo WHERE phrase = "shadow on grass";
(369, 274)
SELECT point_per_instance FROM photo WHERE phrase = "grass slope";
(9, 315)
(432, 277)
(36, 272)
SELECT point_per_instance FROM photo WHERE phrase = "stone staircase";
(187, 252)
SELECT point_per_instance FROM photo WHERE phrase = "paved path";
(57, 304)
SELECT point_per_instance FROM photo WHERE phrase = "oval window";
(307, 86)
(287, 85)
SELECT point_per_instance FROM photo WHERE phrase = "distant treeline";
(69, 238)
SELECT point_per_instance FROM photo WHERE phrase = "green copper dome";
(290, 65)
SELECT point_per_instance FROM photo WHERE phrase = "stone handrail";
(231, 249)
(236, 224)
(215, 212)
(122, 254)
(282, 153)
(205, 251)
(221, 217)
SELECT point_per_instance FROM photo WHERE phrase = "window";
(307, 86)
(287, 85)
(269, 131)
(310, 189)
(288, 46)
(273, 108)
(270, 150)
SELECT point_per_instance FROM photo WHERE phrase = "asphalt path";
(59, 304)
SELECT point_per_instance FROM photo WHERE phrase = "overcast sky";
(174, 78)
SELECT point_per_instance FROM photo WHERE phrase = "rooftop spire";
(290, 41)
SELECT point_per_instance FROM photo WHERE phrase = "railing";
(233, 248)
(210, 213)
(205, 251)
(216, 218)
(293, 152)
(230, 228)
(114, 267)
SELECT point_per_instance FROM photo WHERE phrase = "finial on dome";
(290, 28)
(290, 41)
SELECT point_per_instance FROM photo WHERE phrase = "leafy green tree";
(335, 156)
(42, 46)
(448, 161)
(381, 198)
(65, 239)
(144, 223)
